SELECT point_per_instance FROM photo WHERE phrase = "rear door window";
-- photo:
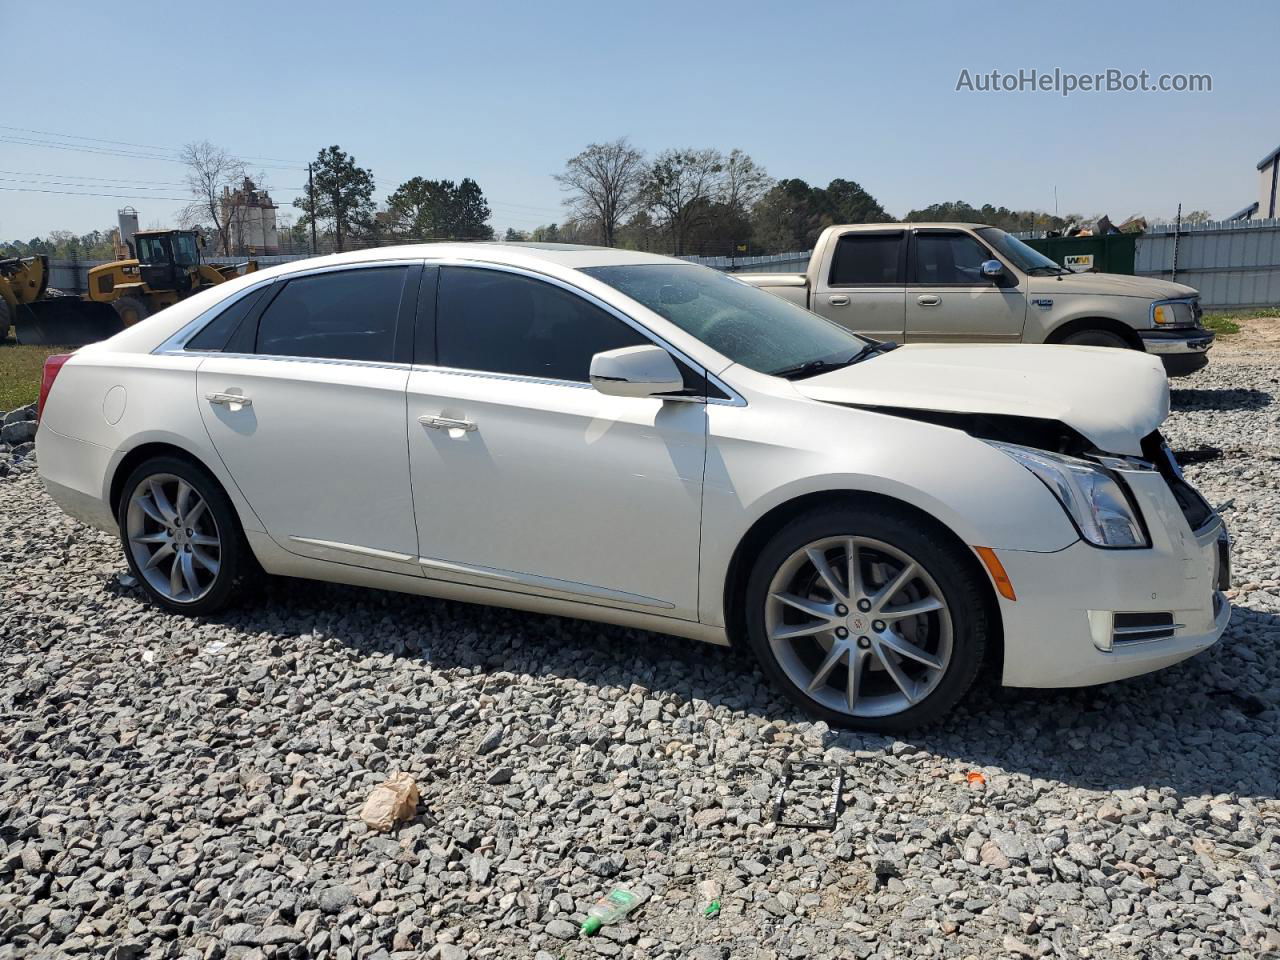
(343, 315)
(217, 332)
(867, 259)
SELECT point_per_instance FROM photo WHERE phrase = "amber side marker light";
(996, 569)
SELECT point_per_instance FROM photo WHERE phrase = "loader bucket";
(65, 322)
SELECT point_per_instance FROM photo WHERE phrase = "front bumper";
(1181, 351)
(1052, 636)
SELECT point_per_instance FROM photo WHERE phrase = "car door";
(525, 478)
(306, 407)
(948, 297)
(861, 283)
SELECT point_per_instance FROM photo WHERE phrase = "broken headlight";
(1092, 497)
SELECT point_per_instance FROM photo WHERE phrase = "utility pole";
(311, 197)
(1177, 235)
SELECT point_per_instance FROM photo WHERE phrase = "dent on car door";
(527, 479)
(861, 283)
(949, 298)
(305, 406)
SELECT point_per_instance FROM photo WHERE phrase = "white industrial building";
(251, 216)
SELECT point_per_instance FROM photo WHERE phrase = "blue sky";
(504, 92)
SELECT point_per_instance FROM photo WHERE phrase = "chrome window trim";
(734, 398)
(176, 344)
(279, 358)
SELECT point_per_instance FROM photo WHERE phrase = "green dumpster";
(1109, 253)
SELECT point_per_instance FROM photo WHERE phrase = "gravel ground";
(172, 787)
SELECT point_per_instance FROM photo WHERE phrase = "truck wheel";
(867, 618)
(1096, 338)
(131, 310)
(5, 319)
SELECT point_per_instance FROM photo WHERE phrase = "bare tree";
(744, 181)
(682, 186)
(605, 183)
(211, 171)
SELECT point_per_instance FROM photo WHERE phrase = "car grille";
(1141, 627)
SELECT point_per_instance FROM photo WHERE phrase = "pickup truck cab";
(964, 283)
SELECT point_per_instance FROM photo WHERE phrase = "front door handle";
(232, 401)
(928, 300)
(447, 423)
(840, 300)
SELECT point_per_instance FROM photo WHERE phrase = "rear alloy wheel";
(867, 619)
(180, 536)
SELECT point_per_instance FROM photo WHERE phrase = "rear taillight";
(51, 367)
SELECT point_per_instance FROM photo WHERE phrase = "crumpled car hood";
(1111, 397)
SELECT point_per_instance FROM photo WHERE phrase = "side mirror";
(993, 269)
(635, 372)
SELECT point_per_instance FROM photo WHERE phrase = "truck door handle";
(840, 300)
(928, 300)
(232, 401)
(447, 423)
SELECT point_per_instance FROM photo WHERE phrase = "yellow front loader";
(166, 268)
(163, 267)
(39, 316)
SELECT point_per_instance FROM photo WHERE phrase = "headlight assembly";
(1092, 497)
(1173, 313)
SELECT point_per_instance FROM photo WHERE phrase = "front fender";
(1131, 312)
(754, 466)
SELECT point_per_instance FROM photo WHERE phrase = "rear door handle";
(447, 423)
(840, 300)
(928, 300)
(232, 401)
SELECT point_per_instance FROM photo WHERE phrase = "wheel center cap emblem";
(857, 623)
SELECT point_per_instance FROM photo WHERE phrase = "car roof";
(564, 255)
(930, 225)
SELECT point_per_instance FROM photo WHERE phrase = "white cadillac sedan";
(638, 440)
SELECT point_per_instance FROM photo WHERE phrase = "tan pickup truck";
(963, 282)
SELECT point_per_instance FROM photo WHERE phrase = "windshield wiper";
(1057, 270)
(811, 368)
(870, 350)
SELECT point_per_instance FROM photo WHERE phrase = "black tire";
(1097, 338)
(131, 310)
(954, 570)
(236, 560)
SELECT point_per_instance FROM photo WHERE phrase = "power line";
(126, 143)
(117, 196)
(126, 154)
(60, 183)
(73, 176)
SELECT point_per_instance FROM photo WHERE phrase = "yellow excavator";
(159, 268)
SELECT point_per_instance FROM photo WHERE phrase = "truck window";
(949, 258)
(862, 259)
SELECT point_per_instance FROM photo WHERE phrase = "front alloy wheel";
(859, 625)
(868, 619)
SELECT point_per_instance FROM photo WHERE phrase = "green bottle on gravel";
(609, 909)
